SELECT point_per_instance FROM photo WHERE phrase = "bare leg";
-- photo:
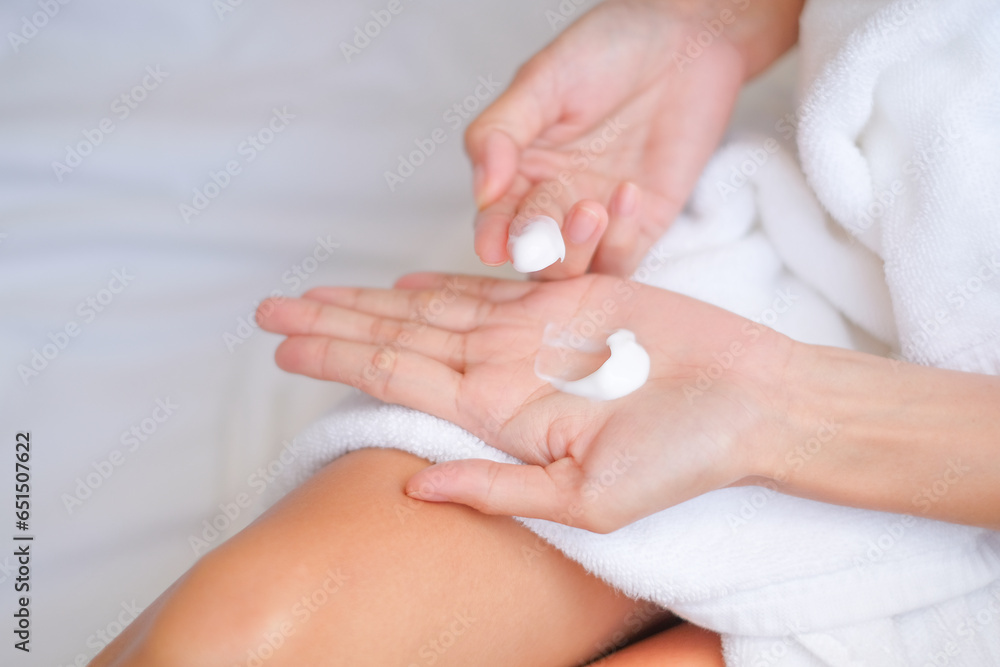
(683, 646)
(347, 570)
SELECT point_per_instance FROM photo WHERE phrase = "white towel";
(899, 136)
(790, 581)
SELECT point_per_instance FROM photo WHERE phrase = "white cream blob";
(625, 371)
(539, 245)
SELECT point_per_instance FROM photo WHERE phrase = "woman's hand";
(608, 128)
(465, 349)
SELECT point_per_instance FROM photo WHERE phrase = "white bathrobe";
(886, 237)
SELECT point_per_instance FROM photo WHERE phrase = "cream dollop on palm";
(464, 349)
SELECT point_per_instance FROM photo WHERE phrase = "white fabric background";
(163, 336)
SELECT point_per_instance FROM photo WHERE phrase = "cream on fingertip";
(539, 245)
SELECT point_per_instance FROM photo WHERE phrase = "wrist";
(866, 431)
(767, 30)
(814, 392)
(772, 371)
(760, 31)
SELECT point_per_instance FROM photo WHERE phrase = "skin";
(473, 363)
(485, 591)
(463, 348)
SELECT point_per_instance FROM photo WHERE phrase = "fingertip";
(426, 485)
(317, 293)
(582, 229)
(429, 497)
(625, 200)
(265, 310)
(416, 280)
(618, 250)
(478, 184)
(285, 355)
(491, 238)
(586, 220)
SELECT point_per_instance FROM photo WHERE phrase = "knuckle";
(379, 370)
(475, 135)
(420, 303)
(596, 523)
(382, 331)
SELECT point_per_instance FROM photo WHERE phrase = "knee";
(209, 617)
(251, 598)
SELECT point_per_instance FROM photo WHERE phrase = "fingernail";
(491, 256)
(582, 226)
(478, 184)
(628, 200)
(428, 496)
(491, 263)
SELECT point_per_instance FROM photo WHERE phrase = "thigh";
(347, 570)
(684, 645)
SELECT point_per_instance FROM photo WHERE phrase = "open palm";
(465, 349)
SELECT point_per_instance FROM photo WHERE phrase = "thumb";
(497, 488)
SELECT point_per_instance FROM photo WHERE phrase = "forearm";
(865, 431)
